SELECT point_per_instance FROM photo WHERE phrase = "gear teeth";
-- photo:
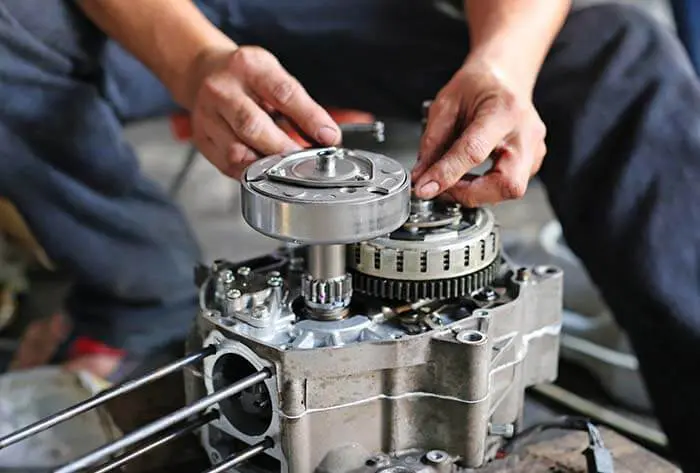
(436, 289)
(328, 292)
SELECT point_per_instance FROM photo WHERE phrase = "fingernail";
(430, 189)
(292, 148)
(327, 135)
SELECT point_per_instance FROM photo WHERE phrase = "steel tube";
(101, 398)
(327, 261)
(180, 431)
(164, 422)
(238, 458)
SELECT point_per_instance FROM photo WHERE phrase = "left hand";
(474, 117)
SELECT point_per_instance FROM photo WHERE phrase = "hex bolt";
(502, 430)
(244, 271)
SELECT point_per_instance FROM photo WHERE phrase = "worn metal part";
(325, 196)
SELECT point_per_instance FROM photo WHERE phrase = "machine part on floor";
(311, 375)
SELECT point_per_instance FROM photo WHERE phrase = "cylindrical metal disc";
(303, 198)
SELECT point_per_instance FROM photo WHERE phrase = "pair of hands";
(474, 117)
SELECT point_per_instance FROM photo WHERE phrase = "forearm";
(513, 36)
(168, 36)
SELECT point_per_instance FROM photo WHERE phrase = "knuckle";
(246, 123)
(236, 153)
(252, 59)
(476, 150)
(508, 102)
(285, 90)
(450, 170)
(511, 188)
(211, 87)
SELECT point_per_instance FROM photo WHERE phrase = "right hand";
(234, 94)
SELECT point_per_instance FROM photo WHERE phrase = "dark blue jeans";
(617, 93)
(687, 16)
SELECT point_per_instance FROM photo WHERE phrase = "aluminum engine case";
(397, 403)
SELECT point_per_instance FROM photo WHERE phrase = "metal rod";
(327, 261)
(238, 458)
(179, 431)
(602, 415)
(163, 423)
(102, 397)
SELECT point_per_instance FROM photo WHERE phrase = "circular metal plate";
(326, 196)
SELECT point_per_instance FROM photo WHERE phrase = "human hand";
(474, 117)
(234, 95)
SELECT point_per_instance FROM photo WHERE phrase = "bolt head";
(233, 294)
(227, 276)
(244, 271)
(274, 281)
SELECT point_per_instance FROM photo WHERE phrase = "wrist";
(515, 73)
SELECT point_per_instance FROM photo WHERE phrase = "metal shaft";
(327, 261)
(238, 458)
(101, 398)
(164, 422)
(180, 431)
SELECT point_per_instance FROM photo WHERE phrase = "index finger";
(277, 87)
(472, 148)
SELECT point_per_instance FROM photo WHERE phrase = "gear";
(327, 294)
(406, 290)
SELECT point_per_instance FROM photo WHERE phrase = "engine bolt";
(502, 430)
(227, 276)
(274, 281)
(244, 271)
(233, 294)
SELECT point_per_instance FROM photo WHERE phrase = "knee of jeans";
(635, 37)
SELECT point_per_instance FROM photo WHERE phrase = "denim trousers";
(617, 93)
